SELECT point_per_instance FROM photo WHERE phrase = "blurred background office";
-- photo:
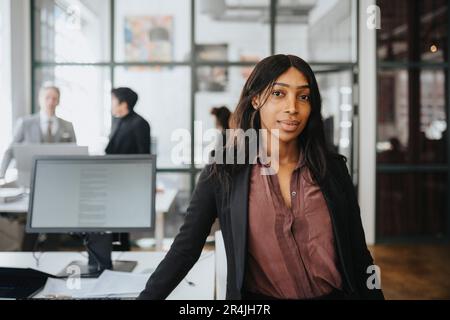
(382, 71)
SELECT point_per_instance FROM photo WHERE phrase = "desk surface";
(163, 202)
(19, 206)
(198, 284)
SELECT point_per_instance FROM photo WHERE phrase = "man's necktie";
(49, 137)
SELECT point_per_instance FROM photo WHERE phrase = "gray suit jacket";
(28, 130)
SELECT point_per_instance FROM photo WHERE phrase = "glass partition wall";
(184, 57)
(412, 123)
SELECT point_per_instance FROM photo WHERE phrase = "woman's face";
(287, 107)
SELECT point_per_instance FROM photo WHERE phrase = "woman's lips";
(289, 125)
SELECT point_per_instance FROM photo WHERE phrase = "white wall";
(331, 27)
(5, 75)
(243, 38)
(14, 66)
(292, 39)
(367, 125)
(20, 58)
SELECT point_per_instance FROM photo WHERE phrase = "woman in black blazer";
(282, 97)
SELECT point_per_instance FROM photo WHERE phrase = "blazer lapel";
(239, 218)
(335, 200)
(59, 131)
(36, 134)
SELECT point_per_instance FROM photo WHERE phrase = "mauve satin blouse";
(291, 252)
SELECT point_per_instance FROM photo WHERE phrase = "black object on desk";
(99, 248)
(18, 283)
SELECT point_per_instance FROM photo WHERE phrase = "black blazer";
(132, 136)
(211, 200)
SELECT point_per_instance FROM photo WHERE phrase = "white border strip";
(367, 124)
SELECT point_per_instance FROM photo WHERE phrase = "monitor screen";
(85, 194)
(24, 154)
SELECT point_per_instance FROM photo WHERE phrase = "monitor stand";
(99, 248)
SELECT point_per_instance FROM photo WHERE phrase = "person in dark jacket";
(293, 232)
(130, 134)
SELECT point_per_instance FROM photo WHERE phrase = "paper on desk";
(58, 288)
(10, 194)
(119, 283)
(110, 283)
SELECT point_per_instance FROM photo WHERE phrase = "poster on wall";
(148, 38)
(212, 78)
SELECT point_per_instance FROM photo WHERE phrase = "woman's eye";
(304, 97)
(277, 93)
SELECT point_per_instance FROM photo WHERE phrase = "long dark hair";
(311, 141)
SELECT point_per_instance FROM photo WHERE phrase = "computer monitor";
(93, 196)
(24, 154)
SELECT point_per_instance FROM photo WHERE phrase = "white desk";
(163, 202)
(221, 267)
(162, 205)
(198, 284)
(19, 206)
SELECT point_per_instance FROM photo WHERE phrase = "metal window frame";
(192, 170)
(419, 168)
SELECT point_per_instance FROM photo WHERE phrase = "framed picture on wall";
(212, 78)
(148, 38)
